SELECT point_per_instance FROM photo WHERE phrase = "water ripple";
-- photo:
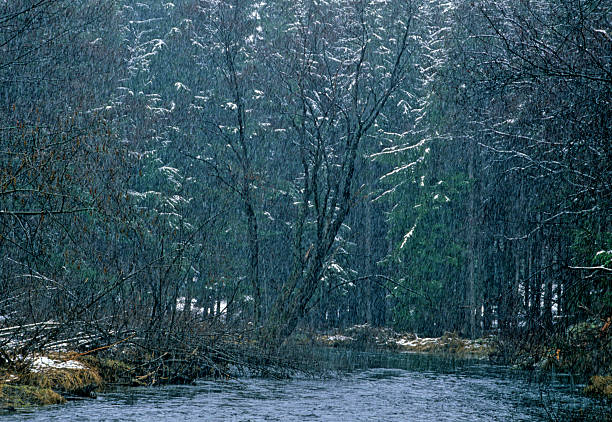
(473, 392)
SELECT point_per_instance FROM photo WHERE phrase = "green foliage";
(428, 252)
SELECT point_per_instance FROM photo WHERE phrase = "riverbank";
(372, 386)
(583, 349)
(56, 377)
(366, 337)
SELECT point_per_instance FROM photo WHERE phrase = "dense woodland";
(272, 166)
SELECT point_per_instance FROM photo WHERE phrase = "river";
(363, 387)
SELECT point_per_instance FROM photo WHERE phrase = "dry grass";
(81, 382)
(600, 386)
(112, 371)
(35, 385)
(20, 396)
(364, 337)
(72, 381)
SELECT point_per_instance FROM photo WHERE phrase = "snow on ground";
(366, 336)
(43, 363)
(338, 337)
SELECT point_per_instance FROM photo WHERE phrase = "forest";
(200, 173)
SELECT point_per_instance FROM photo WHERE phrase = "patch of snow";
(408, 236)
(406, 342)
(399, 148)
(339, 337)
(417, 342)
(181, 86)
(43, 363)
(401, 168)
(180, 303)
(337, 268)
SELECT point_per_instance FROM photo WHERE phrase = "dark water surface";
(370, 387)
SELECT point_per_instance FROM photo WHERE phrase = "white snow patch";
(408, 235)
(43, 363)
(417, 342)
(180, 85)
(337, 268)
(400, 169)
(399, 148)
(339, 337)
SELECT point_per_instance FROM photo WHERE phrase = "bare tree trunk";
(471, 290)
(548, 288)
(368, 297)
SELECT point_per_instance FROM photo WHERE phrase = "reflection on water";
(370, 387)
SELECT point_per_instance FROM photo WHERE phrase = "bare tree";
(338, 66)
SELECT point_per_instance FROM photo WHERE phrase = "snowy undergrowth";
(367, 337)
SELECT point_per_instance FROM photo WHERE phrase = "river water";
(364, 387)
